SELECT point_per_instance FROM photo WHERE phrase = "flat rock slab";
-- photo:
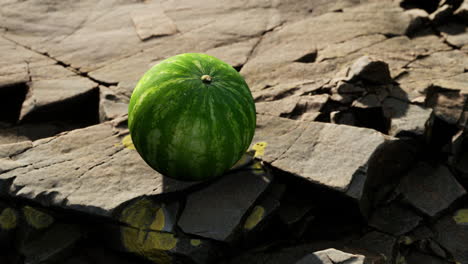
(322, 153)
(394, 219)
(88, 170)
(431, 189)
(215, 211)
(405, 118)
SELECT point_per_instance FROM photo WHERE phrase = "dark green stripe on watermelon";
(188, 128)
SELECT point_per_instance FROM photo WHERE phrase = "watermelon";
(191, 117)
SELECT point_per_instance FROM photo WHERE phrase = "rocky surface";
(360, 153)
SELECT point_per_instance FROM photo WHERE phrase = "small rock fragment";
(331, 256)
(110, 105)
(371, 70)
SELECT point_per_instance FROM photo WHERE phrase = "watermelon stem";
(206, 78)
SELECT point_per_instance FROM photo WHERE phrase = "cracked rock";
(308, 150)
(95, 159)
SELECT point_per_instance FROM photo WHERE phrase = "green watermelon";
(191, 117)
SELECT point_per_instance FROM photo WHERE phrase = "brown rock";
(371, 70)
(431, 189)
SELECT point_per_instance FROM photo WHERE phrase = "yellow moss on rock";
(259, 148)
(143, 237)
(127, 142)
(37, 218)
(195, 242)
(159, 220)
(255, 217)
(8, 219)
(461, 217)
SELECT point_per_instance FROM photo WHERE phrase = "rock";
(12, 96)
(348, 88)
(217, 210)
(367, 101)
(150, 21)
(417, 257)
(448, 105)
(150, 232)
(394, 219)
(462, 12)
(419, 18)
(235, 54)
(111, 105)
(459, 160)
(51, 245)
(371, 70)
(8, 150)
(330, 256)
(441, 14)
(430, 189)
(310, 104)
(57, 95)
(342, 49)
(406, 119)
(267, 205)
(366, 117)
(296, 40)
(282, 107)
(455, 34)
(95, 160)
(452, 234)
(375, 246)
(343, 118)
(309, 150)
